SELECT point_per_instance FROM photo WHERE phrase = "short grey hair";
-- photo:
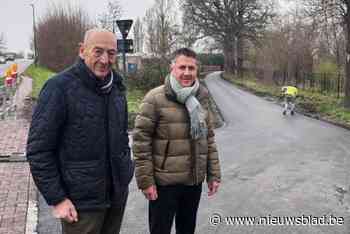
(88, 33)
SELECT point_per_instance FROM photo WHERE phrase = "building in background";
(133, 62)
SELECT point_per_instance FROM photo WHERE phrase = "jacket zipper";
(107, 158)
(165, 155)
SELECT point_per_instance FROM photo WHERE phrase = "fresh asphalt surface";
(272, 166)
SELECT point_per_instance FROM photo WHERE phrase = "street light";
(34, 31)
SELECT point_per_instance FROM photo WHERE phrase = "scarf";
(103, 86)
(186, 95)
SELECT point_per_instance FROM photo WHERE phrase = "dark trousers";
(105, 221)
(177, 201)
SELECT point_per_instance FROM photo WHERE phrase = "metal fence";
(325, 83)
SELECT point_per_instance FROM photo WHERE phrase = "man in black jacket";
(78, 142)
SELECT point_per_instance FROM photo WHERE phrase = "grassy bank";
(308, 102)
(39, 75)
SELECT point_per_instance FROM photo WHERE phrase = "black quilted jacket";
(67, 149)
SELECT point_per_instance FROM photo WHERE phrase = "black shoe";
(284, 112)
(292, 112)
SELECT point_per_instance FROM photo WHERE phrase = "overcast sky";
(16, 16)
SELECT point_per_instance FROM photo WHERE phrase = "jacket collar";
(91, 81)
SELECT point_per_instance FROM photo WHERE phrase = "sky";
(16, 16)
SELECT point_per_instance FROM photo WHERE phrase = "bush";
(58, 33)
(211, 59)
(150, 76)
(327, 67)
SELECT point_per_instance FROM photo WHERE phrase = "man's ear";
(81, 50)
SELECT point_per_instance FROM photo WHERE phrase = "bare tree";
(162, 30)
(289, 47)
(230, 22)
(189, 33)
(138, 35)
(108, 19)
(332, 36)
(151, 41)
(58, 35)
(302, 44)
(338, 13)
(274, 53)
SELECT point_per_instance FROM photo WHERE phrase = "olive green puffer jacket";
(163, 150)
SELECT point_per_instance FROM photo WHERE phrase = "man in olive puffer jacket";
(174, 147)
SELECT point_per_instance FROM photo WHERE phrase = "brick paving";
(13, 136)
(17, 190)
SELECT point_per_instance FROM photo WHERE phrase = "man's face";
(185, 70)
(99, 53)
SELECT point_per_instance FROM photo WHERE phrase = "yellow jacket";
(290, 91)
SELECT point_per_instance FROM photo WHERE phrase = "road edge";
(32, 209)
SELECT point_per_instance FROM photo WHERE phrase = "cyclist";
(289, 93)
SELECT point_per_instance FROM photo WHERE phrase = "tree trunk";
(240, 40)
(347, 63)
(230, 54)
(240, 51)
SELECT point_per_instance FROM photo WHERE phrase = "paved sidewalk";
(13, 137)
(14, 132)
(17, 191)
(18, 196)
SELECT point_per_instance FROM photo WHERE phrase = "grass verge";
(39, 75)
(134, 97)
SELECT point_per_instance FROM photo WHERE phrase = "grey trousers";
(106, 221)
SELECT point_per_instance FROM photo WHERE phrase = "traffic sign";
(124, 27)
(125, 45)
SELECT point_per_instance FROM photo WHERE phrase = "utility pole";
(34, 31)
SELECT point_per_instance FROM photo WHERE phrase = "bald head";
(98, 50)
(98, 34)
(91, 34)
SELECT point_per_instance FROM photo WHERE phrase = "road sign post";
(124, 45)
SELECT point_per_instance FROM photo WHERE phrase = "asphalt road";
(277, 165)
(273, 166)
